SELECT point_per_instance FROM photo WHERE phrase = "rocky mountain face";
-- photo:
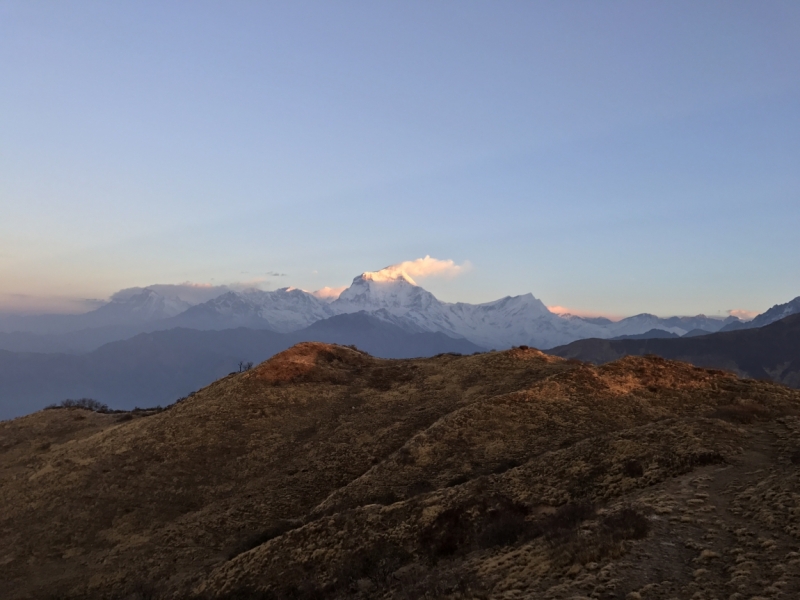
(327, 473)
(768, 352)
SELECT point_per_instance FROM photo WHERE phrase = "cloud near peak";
(743, 314)
(329, 293)
(425, 267)
(576, 312)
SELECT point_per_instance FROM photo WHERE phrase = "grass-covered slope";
(327, 473)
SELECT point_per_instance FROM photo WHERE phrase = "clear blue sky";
(617, 157)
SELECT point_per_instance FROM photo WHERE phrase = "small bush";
(376, 563)
(82, 403)
(305, 589)
(479, 523)
(710, 457)
(742, 414)
(384, 498)
(633, 468)
(404, 456)
(419, 487)
(458, 480)
(565, 520)
(146, 591)
(449, 532)
(626, 524)
(505, 465)
(504, 527)
(438, 583)
(607, 540)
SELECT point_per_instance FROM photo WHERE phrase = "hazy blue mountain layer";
(159, 367)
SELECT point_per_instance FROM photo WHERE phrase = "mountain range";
(388, 294)
(159, 367)
(768, 352)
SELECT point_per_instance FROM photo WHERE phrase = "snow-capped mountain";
(393, 296)
(518, 320)
(641, 323)
(283, 310)
(138, 307)
(513, 320)
(395, 292)
(128, 309)
(389, 295)
(776, 313)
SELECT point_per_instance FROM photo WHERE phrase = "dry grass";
(325, 472)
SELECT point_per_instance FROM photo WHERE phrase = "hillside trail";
(718, 532)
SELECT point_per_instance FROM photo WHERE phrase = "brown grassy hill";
(325, 472)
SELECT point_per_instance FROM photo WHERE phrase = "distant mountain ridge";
(161, 366)
(768, 352)
(389, 294)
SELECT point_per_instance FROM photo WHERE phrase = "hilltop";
(327, 473)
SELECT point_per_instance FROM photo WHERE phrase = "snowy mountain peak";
(388, 289)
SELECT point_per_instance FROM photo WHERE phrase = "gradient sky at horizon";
(614, 158)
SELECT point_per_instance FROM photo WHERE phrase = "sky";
(608, 157)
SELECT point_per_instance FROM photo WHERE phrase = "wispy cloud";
(329, 293)
(427, 267)
(256, 283)
(563, 310)
(743, 314)
(193, 293)
(22, 304)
